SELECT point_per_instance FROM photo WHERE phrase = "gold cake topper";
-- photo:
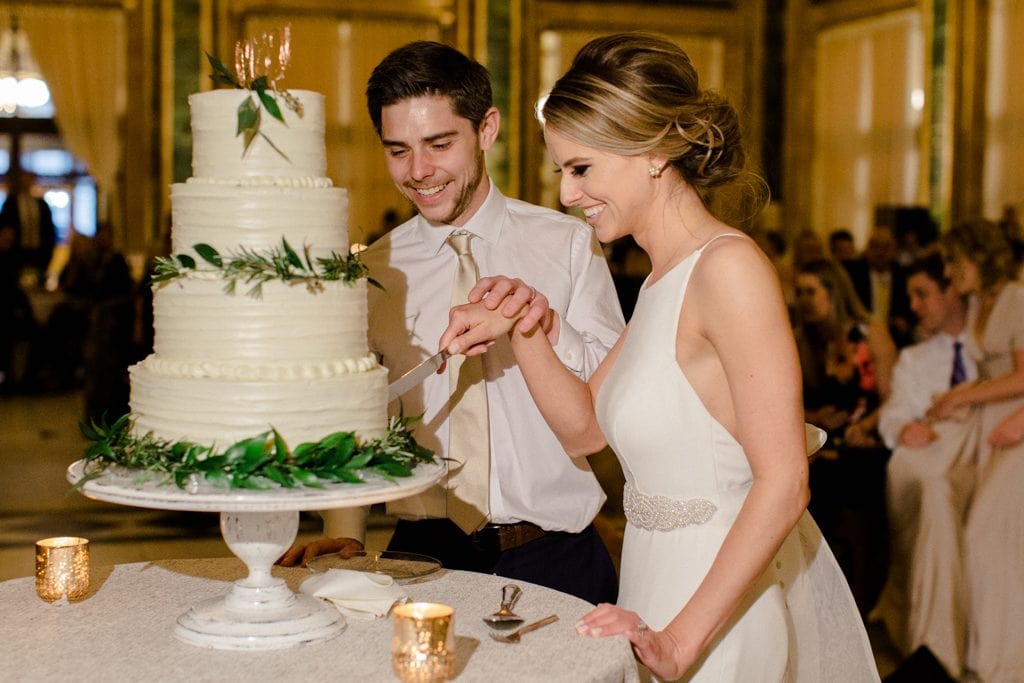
(260, 63)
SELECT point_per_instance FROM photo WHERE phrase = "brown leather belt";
(502, 537)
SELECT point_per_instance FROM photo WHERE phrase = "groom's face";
(436, 158)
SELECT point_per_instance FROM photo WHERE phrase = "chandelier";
(21, 83)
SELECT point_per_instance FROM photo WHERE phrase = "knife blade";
(415, 376)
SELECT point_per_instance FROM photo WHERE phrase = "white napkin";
(359, 595)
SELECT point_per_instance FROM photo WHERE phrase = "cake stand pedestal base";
(260, 612)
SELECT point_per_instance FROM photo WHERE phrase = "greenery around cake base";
(260, 462)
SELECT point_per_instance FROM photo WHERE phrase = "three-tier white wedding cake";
(230, 365)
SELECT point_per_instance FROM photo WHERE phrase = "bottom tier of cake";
(217, 411)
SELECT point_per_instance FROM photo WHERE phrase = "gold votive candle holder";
(62, 568)
(423, 642)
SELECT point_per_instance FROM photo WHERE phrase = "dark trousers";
(577, 564)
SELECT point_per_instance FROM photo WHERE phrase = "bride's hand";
(658, 650)
(474, 327)
(516, 299)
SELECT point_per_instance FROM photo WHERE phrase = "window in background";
(1003, 183)
(869, 107)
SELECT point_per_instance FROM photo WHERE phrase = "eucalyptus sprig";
(261, 462)
(254, 268)
(249, 112)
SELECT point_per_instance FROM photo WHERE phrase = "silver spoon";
(505, 618)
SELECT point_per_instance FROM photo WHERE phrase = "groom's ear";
(489, 127)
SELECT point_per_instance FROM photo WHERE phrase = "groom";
(432, 108)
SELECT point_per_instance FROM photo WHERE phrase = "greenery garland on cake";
(261, 462)
(252, 267)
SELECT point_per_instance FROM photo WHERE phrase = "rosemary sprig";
(261, 462)
(255, 268)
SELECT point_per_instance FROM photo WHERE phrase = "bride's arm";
(746, 323)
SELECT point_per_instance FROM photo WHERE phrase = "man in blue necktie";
(928, 484)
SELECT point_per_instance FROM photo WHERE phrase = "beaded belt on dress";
(661, 513)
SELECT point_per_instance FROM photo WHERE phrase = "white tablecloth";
(123, 631)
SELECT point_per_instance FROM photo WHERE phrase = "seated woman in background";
(980, 263)
(846, 357)
(847, 360)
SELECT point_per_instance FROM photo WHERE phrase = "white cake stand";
(260, 612)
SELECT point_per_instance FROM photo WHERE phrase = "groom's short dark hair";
(424, 69)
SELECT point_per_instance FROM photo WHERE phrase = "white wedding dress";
(686, 479)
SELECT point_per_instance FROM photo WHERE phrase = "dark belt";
(502, 537)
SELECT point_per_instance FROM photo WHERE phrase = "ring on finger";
(533, 294)
(642, 628)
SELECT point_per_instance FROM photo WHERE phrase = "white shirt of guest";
(531, 477)
(922, 371)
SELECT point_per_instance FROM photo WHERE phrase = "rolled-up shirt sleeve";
(593, 321)
(903, 406)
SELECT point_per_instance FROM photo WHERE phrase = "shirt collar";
(486, 223)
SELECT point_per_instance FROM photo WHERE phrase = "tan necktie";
(468, 429)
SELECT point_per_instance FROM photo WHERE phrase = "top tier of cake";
(257, 197)
(217, 150)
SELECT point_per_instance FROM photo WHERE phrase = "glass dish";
(399, 566)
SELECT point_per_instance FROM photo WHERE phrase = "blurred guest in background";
(981, 265)
(89, 337)
(17, 325)
(846, 357)
(34, 233)
(841, 245)
(881, 286)
(930, 479)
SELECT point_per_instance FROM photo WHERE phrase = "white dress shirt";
(922, 371)
(531, 477)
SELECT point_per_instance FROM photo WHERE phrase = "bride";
(724, 576)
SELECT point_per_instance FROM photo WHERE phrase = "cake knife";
(415, 376)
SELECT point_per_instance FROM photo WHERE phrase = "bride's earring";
(656, 171)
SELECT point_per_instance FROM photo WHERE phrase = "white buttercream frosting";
(261, 181)
(196, 321)
(229, 366)
(260, 372)
(258, 217)
(219, 411)
(217, 152)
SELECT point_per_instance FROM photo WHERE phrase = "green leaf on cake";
(248, 117)
(221, 74)
(269, 103)
(293, 258)
(208, 254)
(253, 268)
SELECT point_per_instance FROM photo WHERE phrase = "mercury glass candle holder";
(423, 642)
(62, 568)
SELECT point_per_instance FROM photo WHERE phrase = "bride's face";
(612, 191)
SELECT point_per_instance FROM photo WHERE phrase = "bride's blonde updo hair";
(634, 93)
